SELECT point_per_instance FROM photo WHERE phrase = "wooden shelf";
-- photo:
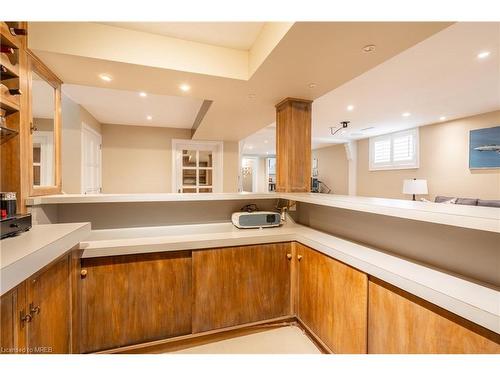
(12, 70)
(9, 103)
(7, 38)
(6, 134)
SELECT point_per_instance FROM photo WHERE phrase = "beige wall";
(73, 115)
(138, 159)
(333, 168)
(89, 120)
(444, 163)
(44, 124)
(262, 182)
(230, 167)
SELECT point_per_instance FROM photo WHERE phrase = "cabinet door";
(400, 323)
(48, 300)
(12, 328)
(333, 301)
(131, 299)
(240, 285)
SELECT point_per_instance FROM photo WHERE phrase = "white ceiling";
(440, 76)
(262, 143)
(237, 35)
(110, 106)
(307, 52)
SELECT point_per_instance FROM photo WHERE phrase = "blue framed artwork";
(484, 148)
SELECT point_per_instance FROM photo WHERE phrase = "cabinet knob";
(25, 318)
(34, 309)
(83, 273)
(289, 256)
(299, 257)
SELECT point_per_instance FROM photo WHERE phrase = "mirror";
(258, 161)
(43, 110)
(45, 98)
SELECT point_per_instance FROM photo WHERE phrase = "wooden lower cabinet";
(132, 299)
(401, 323)
(49, 294)
(332, 301)
(36, 315)
(13, 331)
(239, 285)
(125, 300)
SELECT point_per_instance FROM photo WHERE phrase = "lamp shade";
(415, 186)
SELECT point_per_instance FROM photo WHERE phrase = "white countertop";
(472, 301)
(472, 217)
(24, 255)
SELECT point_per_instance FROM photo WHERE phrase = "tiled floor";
(284, 340)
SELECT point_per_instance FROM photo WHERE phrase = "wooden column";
(293, 145)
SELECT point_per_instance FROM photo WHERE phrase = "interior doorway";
(249, 173)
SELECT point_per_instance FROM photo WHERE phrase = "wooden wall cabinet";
(14, 151)
(233, 286)
(332, 301)
(132, 299)
(36, 315)
(401, 323)
(48, 81)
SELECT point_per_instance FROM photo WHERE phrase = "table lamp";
(415, 187)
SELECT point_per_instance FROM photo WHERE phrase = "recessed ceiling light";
(406, 114)
(442, 118)
(185, 87)
(312, 85)
(350, 107)
(483, 55)
(143, 94)
(266, 141)
(369, 48)
(149, 117)
(267, 152)
(105, 77)
(250, 147)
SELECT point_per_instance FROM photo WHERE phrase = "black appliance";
(14, 225)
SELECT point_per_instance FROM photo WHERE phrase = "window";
(197, 166)
(395, 151)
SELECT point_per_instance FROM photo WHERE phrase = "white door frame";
(217, 148)
(89, 129)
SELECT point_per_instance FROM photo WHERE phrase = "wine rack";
(14, 109)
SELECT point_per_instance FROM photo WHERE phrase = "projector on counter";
(256, 219)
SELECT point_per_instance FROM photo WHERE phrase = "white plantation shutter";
(395, 151)
(382, 151)
(403, 147)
